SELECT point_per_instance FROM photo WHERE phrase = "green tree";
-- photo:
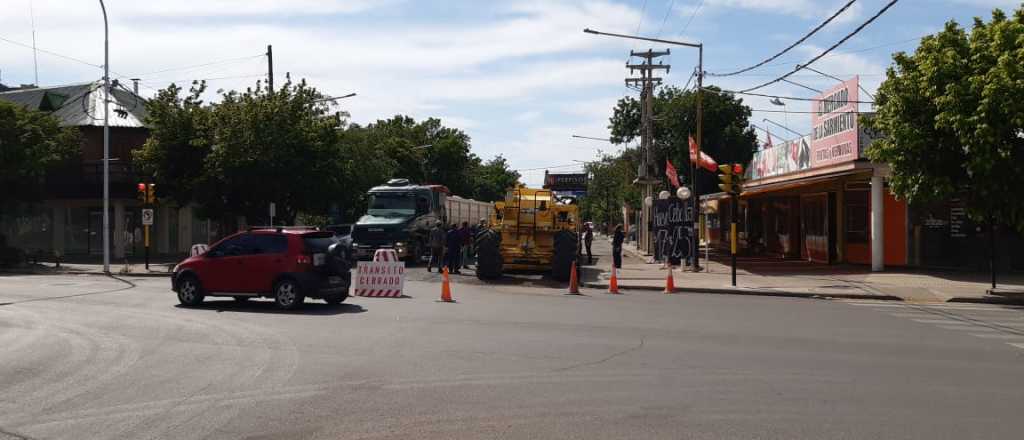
(727, 135)
(175, 152)
(493, 178)
(952, 119)
(31, 144)
(236, 156)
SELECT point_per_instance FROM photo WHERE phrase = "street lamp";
(334, 98)
(783, 126)
(592, 138)
(106, 140)
(700, 117)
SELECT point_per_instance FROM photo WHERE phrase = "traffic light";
(726, 176)
(151, 193)
(731, 176)
(140, 192)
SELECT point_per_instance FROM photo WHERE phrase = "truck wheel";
(565, 255)
(488, 255)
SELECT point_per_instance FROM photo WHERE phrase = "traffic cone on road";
(574, 282)
(446, 288)
(670, 282)
(613, 284)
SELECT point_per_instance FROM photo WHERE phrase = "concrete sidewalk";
(798, 278)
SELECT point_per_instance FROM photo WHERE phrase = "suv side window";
(268, 244)
(232, 247)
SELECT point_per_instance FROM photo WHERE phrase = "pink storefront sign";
(835, 125)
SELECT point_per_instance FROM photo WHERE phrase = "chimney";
(135, 85)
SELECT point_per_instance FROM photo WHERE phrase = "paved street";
(93, 357)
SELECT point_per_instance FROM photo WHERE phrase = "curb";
(755, 292)
(85, 272)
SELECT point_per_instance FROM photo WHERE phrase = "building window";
(857, 215)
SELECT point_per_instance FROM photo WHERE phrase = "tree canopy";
(31, 144)
(235, 156)
(953, 119)
(727, 134)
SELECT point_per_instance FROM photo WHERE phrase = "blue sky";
(519, 77)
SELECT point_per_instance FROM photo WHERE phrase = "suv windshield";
(392, 204)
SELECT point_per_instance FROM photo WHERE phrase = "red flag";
(670, 171)
(769, 144)
(693, 149)
(705, 161)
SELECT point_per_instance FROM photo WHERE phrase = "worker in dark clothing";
(454, 242)
(467, 241)
(617, 240)
(436, 247)
(588, 240)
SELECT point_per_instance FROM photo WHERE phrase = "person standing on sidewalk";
(436, 247)
(588, 240)
(617, 240)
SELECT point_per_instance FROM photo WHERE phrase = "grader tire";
(488, 255)
(565, 255)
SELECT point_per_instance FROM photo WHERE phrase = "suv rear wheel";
(288, 294)
(335, 299)
(190, 292)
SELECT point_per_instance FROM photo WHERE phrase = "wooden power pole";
(647, 174)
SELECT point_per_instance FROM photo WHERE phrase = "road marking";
(959, 327)
(938, 321)
(1018, 345)
(996, 336)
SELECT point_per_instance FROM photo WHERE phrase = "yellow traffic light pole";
(731, 176)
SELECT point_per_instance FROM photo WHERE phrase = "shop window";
(857, 215)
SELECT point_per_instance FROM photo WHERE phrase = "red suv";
(285, 264)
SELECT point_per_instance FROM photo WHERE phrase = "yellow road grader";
(531, 230)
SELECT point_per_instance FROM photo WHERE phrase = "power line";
(764, 95)
(840, 42)
(694, 14)
(548, 168)
(791, 46)
(838, 54)
(190, 80)
(195, 66)
(665, 18)
(807, 112)
(52, 53)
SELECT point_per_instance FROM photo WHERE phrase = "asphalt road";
(88, 357)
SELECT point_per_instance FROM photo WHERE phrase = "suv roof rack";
(283, 228)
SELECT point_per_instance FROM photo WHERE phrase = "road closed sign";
(379, 279)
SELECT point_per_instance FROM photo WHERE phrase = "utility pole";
(270, 67)
(647, 82)
(700, 138)
(106, 140)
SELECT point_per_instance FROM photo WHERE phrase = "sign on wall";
(784, 158)
(673, 229)
(565, 182)
(834, 125)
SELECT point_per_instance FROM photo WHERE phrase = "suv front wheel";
(288, 294)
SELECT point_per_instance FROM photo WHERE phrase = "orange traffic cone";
(613, 285)
(670, 282)
(446, 289)
(574, 283)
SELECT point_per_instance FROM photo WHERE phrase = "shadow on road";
(311, 307)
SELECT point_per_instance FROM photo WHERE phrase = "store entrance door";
(814, 220)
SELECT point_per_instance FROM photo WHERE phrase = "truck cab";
(399, 216)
